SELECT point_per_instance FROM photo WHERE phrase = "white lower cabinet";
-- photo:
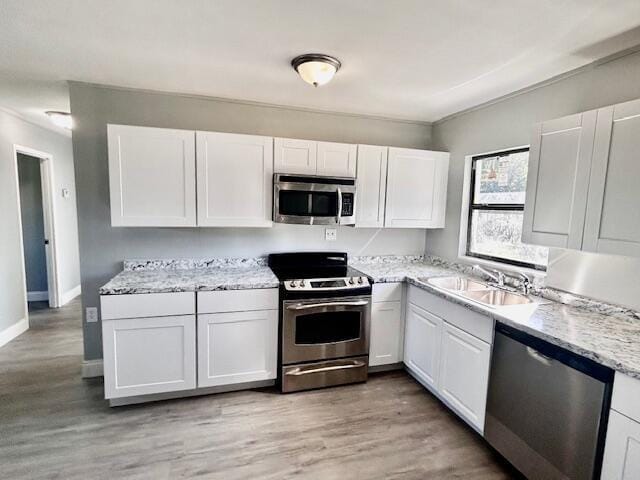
(622, 446)
(464, 373)
(149, 355)
(422, 344)
(386, 334)
(622, 449)
(452, 361)
(237, 347)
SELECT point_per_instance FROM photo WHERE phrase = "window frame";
(493, 207)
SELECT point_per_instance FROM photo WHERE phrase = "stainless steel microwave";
(313, 200)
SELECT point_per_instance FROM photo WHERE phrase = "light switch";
(66, 193)
(92, 314)
(331, 234)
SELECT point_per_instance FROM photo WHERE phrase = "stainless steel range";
(324, 320)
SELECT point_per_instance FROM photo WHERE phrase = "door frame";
(49, 215)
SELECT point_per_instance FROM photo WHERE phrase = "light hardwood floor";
(53, 424)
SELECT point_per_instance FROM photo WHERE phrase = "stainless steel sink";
(457, 284)
(496, 298)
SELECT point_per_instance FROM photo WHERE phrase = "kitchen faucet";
(495, 275)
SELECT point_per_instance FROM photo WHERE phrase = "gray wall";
(507, 123)
(32, 223)
(103, 247)
(13, 130)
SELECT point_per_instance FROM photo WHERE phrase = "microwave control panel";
(347, 204)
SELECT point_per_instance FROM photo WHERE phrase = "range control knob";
(302, 283)
(293, 284)
(360, 279)
(352, 280)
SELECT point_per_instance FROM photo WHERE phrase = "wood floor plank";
(54, 424)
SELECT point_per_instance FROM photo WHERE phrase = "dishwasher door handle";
(539, 356)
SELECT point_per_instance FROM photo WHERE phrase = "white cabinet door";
(613, 216)
(558, 181)
(336, 159)
(416, 188)
(237, 347)
(464, 373)
(422, 344)
(622, 449)
(372, 186)
(295, 156)
(235, 177)
(386, 333)
(149, 355)
(152, 177)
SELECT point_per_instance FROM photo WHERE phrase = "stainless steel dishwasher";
(547, 408)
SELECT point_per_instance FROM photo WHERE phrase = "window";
(496, 210)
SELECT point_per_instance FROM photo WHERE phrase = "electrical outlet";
(331, 234)
(92, 314)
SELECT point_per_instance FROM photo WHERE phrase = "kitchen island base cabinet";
(150, 355)
(237, 347)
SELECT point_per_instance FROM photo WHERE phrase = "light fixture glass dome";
(316, 69)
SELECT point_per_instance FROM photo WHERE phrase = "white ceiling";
(408, 59)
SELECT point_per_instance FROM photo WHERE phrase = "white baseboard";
(92, 368)
(13, 331)
(66, 297)
(37, 296)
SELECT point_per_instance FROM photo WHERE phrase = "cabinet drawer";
(147, 305)
(238, 300)
(387, 292)
(626, 396)
(476, 324)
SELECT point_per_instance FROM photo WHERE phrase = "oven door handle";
(299, 371)
(359, 303)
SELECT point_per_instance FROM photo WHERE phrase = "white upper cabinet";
(152, 177)
(307, 157)
(613, 217)
(558, 181)
(372, 186)
(235, 174)
(295, 156)
(416, 188)
(336, 159)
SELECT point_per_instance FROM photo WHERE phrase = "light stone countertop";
(162, 278)
(612, 340)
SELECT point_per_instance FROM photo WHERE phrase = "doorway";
(35, 186)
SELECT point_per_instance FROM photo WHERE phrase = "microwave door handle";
(339, 205)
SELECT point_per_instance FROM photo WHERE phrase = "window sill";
(505, 267)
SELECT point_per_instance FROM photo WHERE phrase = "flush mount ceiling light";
(61, 119)
(316, 68)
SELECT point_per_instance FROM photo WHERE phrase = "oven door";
(322, 329)
(303, 200)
